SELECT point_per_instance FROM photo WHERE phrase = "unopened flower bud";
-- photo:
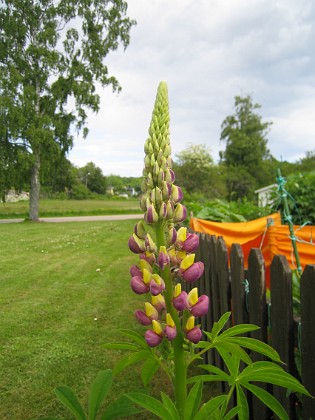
(152, 338)
(191, 243)
(180, 213)
(140, 230)
(170, 329)
(177, 194)
(193, 273)
(166, 190)
(158, 302)
(179, 298)
(142, 318)
(150, 244)
(157, 285)
(151, 215)
(136, 245)
(169, 176)
(138, 286)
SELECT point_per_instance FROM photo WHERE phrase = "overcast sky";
(208, 51)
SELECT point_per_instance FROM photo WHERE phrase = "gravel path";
(79, 218)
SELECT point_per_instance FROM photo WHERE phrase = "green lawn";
(49, 208)
(64, 292)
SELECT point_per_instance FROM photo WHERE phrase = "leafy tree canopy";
(52, 54)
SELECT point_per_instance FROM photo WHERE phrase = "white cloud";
(208, 52)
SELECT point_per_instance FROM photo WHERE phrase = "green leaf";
(238, 329)
(217, 326)
(122, 407)
(232, 413)
(206, 378)
(121, 346)
(269, 400)
(136, 337)
(150, 404)
(202, 344)
(219, 372)
(242, 403)
(256, 345)
(271, 373)
(235, 350)
(148, 370)
(68, 398)
(193, 401)
(170, 406)
(131, 359)
(99, 390)
(210, 407)
(230, 361)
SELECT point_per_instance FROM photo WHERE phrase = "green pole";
(288, 218)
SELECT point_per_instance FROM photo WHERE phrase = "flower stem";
(180, 366)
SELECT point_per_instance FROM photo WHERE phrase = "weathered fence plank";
(239, 310)
(223, 278)
(308, 339)
(282, 324)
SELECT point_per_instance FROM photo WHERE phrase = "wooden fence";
(243, 292)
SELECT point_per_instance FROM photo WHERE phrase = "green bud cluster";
(160, 197)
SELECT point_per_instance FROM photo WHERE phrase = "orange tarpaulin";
(265, 233)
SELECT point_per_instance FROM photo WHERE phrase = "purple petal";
(152, 338)
(155, 288)
(180, 301)
(180, 213)
(193, 273)
(201, 307)
(138, 286)
(194, 335)
(142, 318)
(191, 243)
(163, 260)
(135, 271)
(133, 246)
(170, 332)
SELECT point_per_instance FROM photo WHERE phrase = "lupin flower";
(158, 302)
(136, 245)
(192, 332)
(155, 336)
(138, 286)
(179, 298)
(157, 284)
(189, 270)
(180, 213)
(163, 258)
(151, 216)
(188, 242)
(148, 315)
(198, 306)
(170, 328)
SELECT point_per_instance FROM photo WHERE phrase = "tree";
(92, 177)
(51, 57)
(246, 148)
(196, 172)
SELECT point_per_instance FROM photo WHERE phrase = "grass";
(64, 292)
(50, 208)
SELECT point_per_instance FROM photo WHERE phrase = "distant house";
(264, 195)
(110, 190)
(131, 191)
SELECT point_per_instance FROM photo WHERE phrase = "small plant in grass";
(173, 339)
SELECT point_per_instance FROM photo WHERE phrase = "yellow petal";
(144, 265)
(146, 276)
(169, 320)
(190, 323)
(158, 279)
(150, 310)
(187, 261)
(193, 296)
(177, 290)
(157, 299)
(157, 327)
(182, 234)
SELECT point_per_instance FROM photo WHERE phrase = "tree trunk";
(35, 188)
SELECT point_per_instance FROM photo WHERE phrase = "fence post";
(239, 298)
(223, 278)
(258, 315)
(282, 324)
(308, 339)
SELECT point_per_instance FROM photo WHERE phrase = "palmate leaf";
(193, 401)
(256, 345)
(210, 407)
(218, 326)
(232, 413)
(269, 400)
(131, 359)
(231, 361)
(237, 330)
(122, 407)
(136, 337)
(150, 404)
(148, 370)
(99, 390)
(68, 398)
(243, 413)
(271, 373)
(170, 406)
(235, 350)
